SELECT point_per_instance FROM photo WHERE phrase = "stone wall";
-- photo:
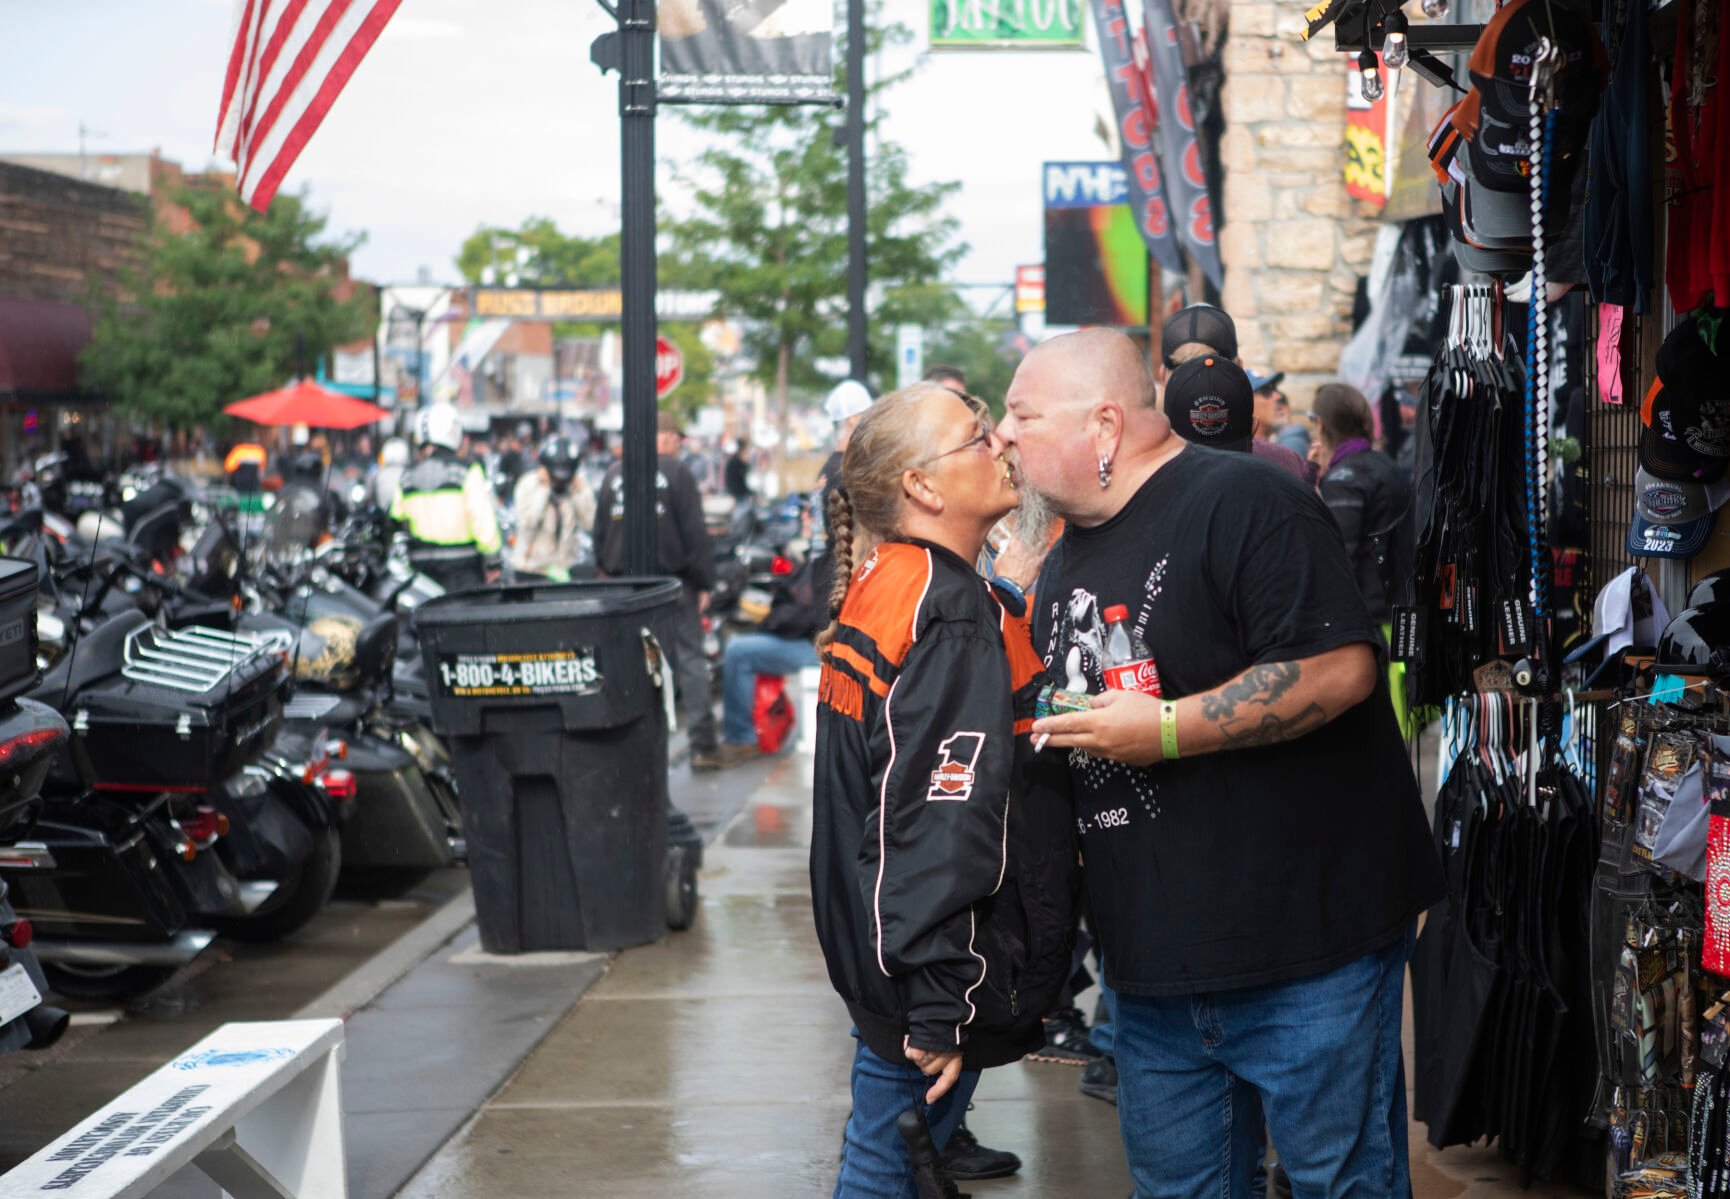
(59, 236)
(1293, 241)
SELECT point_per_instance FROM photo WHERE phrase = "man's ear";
(917, 486)
(1107, 422)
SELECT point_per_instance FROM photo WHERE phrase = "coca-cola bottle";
(1128, 663)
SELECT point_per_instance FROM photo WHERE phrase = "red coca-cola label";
(1140, 676)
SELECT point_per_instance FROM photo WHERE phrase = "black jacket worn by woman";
(1371, 501)
(943, 859)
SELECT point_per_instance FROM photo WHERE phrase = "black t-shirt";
(1242, 867)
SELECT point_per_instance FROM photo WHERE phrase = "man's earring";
(1104, 473)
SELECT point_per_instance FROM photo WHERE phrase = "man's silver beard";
(1034, 519)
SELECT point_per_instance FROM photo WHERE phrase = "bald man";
(1256, 850)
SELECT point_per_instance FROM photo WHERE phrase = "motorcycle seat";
(95, 656)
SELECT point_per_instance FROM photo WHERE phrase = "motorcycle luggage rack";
(193, 659)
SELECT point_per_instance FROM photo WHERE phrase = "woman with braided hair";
(943, 864)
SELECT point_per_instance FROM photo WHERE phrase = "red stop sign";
(669, 367)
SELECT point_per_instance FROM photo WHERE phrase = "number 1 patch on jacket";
(953, 778)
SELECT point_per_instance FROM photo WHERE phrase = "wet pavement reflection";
(714, 1063)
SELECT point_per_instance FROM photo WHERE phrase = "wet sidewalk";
(714, 1063)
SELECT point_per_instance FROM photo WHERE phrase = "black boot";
(965, 1158)
(1099, 1079)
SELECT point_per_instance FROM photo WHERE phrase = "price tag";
(487, 676)
(1408, 643)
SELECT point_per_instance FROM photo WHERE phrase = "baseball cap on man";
(1261, 382)
(1210, 402)
(1203, 323)
(669, 422)
(848, 399)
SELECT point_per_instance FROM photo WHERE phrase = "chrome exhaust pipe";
(45, 1025)
(181, 950)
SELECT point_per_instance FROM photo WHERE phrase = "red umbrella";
(306, 403)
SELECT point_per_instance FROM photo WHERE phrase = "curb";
(376, 975)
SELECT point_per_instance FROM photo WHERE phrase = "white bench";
(257, 1107)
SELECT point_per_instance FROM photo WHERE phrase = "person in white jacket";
(393, 460)
(553, 507)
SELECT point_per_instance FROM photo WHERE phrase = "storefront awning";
(39, 346)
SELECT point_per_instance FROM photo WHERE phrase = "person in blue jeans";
(944, 881)
(1256, 848)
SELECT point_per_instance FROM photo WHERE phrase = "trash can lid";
(549, 601)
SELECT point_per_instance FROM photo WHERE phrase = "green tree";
(769, 233)
(538, 254)
(983, 347)
(232, 306)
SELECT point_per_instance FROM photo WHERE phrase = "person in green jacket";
(447, 506)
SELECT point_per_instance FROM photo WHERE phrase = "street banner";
(455, 384)
(1095, 259)
(1135, 130)
(1185, 181)
(1005, 24)
(746, 52)
(1370, 130)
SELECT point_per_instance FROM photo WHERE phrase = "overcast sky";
(489, 111)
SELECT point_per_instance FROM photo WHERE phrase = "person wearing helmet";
(553, 506)
(386, 481)
(446, 505)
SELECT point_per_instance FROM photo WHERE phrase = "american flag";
(291, 59)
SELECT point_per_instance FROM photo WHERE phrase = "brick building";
(61, 241)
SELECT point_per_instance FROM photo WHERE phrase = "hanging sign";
(1133, 104)
(760, 53)
(1368, 129)
(1005, 24)
(1185, 181)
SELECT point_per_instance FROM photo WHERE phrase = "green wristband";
(1168, 731)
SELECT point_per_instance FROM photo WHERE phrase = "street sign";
(669, 367)
(909, 354)
(1018, 25)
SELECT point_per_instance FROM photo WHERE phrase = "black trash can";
(559, 734)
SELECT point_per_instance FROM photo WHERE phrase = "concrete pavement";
(715, 1063)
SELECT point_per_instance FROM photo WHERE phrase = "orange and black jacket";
(943, 861)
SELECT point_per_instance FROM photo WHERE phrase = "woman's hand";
(945, 1066)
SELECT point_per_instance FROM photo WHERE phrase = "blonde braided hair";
(865, 507)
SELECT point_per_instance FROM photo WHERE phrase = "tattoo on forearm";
(1264, 685)
(1272, 729)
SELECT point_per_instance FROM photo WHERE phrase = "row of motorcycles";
(200, 737)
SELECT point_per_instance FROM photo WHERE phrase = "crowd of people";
(1242, 842)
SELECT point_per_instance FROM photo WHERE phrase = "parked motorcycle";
(30, 734)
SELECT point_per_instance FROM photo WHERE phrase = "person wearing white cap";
(784, 645)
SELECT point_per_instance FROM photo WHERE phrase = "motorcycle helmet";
(394, 453)
(559, 456)
(1711, 589)
(439, 424)
(306, 467)
(1698, 638)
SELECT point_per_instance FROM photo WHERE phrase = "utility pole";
(631, 51)
(856, 263)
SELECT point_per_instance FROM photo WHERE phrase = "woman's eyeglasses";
(983, 437)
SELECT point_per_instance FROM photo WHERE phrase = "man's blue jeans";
(1321, 1054)
(749, 655)
(874, 1163)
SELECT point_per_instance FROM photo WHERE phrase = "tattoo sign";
(954, 777)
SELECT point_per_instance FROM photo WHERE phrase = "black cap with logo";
(1211, 402)
(1201, 323)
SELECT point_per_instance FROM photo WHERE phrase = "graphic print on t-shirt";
(1077, 641)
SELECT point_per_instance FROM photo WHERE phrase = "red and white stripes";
(290, 61)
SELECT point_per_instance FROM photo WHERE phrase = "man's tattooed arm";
(1258, 685)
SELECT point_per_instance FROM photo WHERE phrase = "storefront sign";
(582, 304)
(1029, 289)
(1005, 24)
